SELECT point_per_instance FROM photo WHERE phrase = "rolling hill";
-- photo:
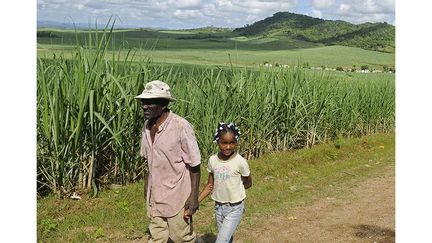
(370, 36)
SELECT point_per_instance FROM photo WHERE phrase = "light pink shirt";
(169, 183)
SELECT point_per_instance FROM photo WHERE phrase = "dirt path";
(365, 214)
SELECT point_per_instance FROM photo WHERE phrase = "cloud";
(181, 14)
(355, 11)
(240, 12)
(319, 4)
(366, 11)
(93, 5)
(198, 13)
(261, 5)
(185, 4)
(316, 13)
(344, 8)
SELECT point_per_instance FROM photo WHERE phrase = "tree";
(364, 67)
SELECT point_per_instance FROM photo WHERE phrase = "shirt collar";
(166, 122)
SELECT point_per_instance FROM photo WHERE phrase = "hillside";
(370, 36)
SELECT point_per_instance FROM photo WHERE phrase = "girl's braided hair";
(223, 128)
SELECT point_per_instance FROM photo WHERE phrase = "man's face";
(153, 108)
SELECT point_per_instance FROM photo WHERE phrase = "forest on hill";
(370, 36)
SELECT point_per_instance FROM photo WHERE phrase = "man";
(171, 186)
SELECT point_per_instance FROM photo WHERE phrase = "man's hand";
(192, 204)
(191, 207)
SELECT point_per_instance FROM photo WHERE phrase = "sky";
(184, 14)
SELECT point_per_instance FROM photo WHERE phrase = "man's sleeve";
(143, 151)
(189, 146)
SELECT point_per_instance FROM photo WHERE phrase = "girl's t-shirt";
(228, 186)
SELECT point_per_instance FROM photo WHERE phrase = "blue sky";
(178, 14)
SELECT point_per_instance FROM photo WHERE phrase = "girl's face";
(227, 144)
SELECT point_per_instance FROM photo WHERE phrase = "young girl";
(229, 176)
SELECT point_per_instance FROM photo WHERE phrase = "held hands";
(191, 207)
(187, 215)
(206, 191)
(192, 203)
(209, 187)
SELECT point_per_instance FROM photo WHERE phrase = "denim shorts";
(228, 216)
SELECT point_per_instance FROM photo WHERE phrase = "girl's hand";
(186, 215)
(209, 187)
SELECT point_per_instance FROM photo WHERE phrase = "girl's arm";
(207, 189)
(247, 181)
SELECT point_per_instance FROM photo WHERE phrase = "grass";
(330, 56)
(285, 179)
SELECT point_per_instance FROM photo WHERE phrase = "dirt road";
(365, 214)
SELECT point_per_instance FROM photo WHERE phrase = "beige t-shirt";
(228, 186)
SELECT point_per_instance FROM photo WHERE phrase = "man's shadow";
(209, 238)
(206, 238)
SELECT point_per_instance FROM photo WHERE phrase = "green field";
(221, 48)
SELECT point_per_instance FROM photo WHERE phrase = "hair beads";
(230, 127)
